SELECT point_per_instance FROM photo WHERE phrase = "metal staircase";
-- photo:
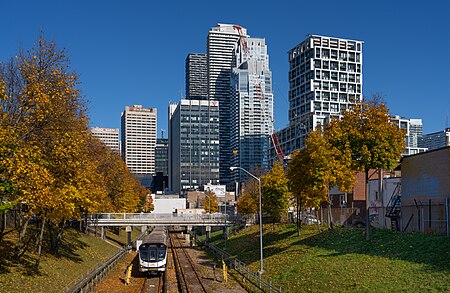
(393, 208)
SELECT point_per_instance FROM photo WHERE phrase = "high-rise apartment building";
(325, 78)
(139, 141)
(251, 111)
(413, 135)
(162, 156)
(196, 77)
(109, 136)
(436, 140)
(193, 145)
(221, 41)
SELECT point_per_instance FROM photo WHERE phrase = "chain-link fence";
(426, 217)
(339, 216)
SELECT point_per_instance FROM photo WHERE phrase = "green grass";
(342, 260)
(79, 254)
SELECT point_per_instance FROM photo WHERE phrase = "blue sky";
(133, 52)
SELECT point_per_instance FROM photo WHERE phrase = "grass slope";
(79, 254)
(342, 260)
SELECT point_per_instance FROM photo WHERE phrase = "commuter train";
(153, 251)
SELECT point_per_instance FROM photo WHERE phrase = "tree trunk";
(318, 222)
(299, 223)
(330, 214)
(21, 242)
(367, 206)
(2, 225)
(41, 236)
(59, 236)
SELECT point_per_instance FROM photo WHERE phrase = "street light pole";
(261, 268)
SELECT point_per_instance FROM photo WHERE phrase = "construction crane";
(242, 40)
(274, 136)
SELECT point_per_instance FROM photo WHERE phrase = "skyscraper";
(325, 78)
(139, 141)
(221, 41)
(413, 134)
(436, 140)
(162, 156)
(109, 136)
(193, 145)
(251, 111)
(196, 77)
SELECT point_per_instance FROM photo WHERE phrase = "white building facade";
(221, 41)
(109, 136)
(413, 135)
(139, 126)
(325, 78)
(251, 111)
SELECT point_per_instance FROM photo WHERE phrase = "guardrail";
(88, 281)
(241, 268)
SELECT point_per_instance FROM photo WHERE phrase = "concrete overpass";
(150, 219)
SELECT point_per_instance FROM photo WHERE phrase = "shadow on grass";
(26, 263)
(430, 250)
(246, 246)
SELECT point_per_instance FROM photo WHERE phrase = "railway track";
(154, 284)
(188, 277)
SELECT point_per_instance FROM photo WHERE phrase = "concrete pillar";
(225, 233)
(103, 233)
(208, 233)
(128, 229)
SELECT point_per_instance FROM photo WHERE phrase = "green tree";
(373, 142)
(275, 192)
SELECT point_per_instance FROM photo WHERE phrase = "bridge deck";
(149, 219)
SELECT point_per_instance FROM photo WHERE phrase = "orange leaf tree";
(373, 142)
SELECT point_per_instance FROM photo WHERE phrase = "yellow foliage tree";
(210, 203)
(248, 200)
(275, 193)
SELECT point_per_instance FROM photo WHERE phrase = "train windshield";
(152, 253)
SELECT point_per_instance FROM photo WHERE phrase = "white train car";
(153, 251)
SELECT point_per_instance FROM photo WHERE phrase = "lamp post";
(261, 270)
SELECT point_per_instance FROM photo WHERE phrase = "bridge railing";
(164, 216)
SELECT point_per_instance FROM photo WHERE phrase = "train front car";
(153, 252)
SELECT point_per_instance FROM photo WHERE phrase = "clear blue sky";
(133, 52)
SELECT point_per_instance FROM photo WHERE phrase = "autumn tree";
(210, 202)
(275, 193)
(123, 192)
(248, 201)
(49, 161)
(317, 168)
(372, 140)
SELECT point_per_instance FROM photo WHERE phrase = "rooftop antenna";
(162, 132)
